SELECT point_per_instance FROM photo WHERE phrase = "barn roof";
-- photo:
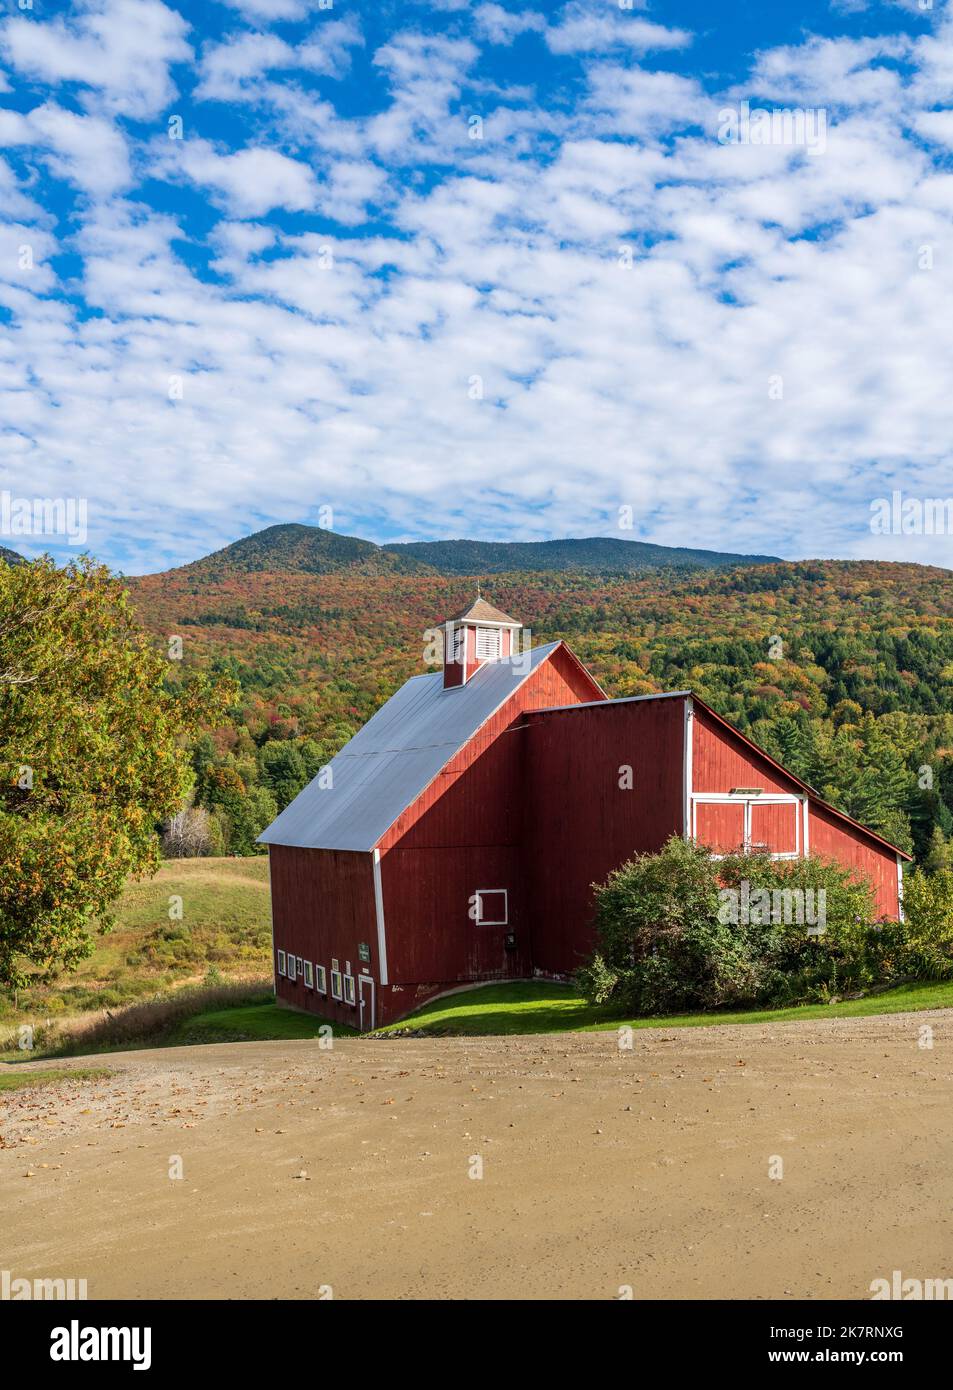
(396, 755)
(482, 612)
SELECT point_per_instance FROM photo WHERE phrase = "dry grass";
(152, 1020)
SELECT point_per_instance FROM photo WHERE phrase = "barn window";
(321, 979)
(750, 820)
(349, 993)
(308, 975)
(292, 969)
(336, 990)
(492, 907)
(281, 962)
(488, 643)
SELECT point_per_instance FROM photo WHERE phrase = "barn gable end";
(463, 837)
(724, 760)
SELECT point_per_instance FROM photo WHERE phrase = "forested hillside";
(843, 670)
(297, 549)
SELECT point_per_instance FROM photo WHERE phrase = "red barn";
(455, 838)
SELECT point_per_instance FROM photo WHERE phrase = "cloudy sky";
(476, 269)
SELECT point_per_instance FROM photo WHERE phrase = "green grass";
(251, 1023)
(20, 1080)
(531, 1007)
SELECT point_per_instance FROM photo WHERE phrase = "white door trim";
(688, 825)
(368, 980)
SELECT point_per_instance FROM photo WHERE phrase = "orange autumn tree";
(94, 727)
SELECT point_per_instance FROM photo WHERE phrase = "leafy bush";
(661, 944)
(679, 930)
(928, 920)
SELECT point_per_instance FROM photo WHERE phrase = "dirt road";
(306, 1171)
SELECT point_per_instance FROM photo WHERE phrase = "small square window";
(492, 907)
(281, 962)
(292, 968)
(321, 979)
(349, 994)
(336, 989)
(308, 975)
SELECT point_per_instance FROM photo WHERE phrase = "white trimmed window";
(300, 966)
(321, 979)
(308, 975)
(492, 907)
(292, 968)
(489, 643)
(349, 991)
(337, 991)
(281, 962)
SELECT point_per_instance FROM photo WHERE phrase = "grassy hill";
(225, 928)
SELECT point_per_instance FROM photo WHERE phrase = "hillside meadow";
(224, 931)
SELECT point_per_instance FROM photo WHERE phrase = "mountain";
(10, 557)
(602, 554)
(296, 549)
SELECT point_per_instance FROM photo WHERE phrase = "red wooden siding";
(721, 759)
(477, 797)
(774, 826)
(581, 823)
(322, 907)
(832, 838)
(720, 826)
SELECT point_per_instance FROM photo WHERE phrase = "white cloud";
(248, 183)
(122, 49)
(327, 50)
(232, 70)
(936, 126)
(229, 70)
(87, 151)
(274, 11)
(502, 26)
(839, 72)
(588, 27)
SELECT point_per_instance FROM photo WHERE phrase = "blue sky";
(476, 269)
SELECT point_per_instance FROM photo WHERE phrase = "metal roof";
(397, 754)
(481, 611)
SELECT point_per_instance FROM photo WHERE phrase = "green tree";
(92, 757)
